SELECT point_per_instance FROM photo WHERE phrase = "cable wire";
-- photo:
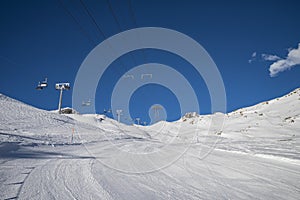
(77, 22)
(131, 11)
(119, 25)
(93, 19)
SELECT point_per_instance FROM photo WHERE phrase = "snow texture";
(44, 155)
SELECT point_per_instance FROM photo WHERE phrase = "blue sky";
(244, 38)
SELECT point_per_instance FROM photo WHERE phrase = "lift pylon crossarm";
(63, 86)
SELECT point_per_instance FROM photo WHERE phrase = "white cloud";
(253, 57)
(268, 57)
(292, 60)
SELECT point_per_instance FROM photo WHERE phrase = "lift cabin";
(42, 84)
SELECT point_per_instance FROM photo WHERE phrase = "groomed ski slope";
(44, 155)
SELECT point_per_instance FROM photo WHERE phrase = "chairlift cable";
(98, 28)
(113, 14)
(119, 25)
(93, 19)
(131, 11)
(85, 33)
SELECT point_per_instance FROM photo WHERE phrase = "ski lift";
(86, 103)
(130, 76)
(42, 84)
(107, 111)
(146, 75)
(62, 86)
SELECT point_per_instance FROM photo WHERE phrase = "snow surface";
(256, 155)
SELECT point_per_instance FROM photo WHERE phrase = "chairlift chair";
(42, 84)
(86, 103)
(39, 86)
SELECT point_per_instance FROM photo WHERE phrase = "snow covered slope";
(270, 129)
(279, 114)
(256, 155)
(21, 122)
(19, 117)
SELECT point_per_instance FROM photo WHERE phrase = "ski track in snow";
(220, 175)
(257, 155)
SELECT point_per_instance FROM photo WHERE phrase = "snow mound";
(20, 122)
(275, 116)
(17, 116)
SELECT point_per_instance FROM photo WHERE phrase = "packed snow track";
(69, 172)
